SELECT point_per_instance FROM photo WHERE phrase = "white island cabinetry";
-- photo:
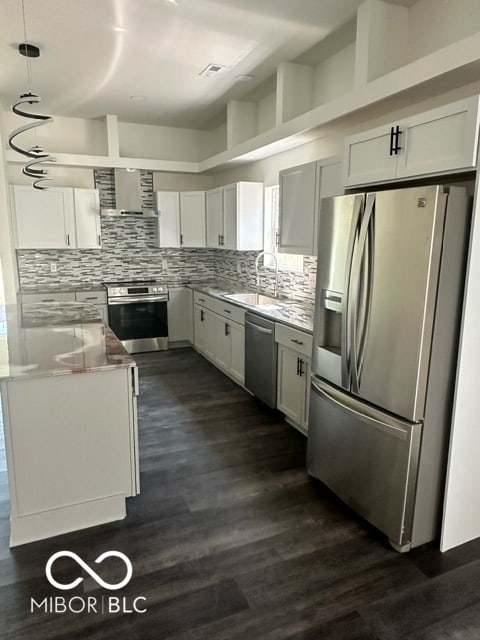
(72, 449)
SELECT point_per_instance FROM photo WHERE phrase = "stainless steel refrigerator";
(390, 281)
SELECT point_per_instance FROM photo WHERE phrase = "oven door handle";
(113, 301)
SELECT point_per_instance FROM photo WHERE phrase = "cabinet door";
(214, 217)
(237, 364)
(297, 209)
(180, 314)
(204, 327)
(230, 213)
(329, 177)
(43, 219)
(440, 140)
(293, 380)
(244, 225)
(223, 342)
(168, 206)
(192, 218)
(87, 218)
(367, 157)
(200, 328)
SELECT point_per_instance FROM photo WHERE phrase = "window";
(272, 206)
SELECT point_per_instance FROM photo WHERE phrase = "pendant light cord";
(29, 73)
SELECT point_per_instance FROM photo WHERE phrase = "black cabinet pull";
(227, 329)
(202, 315)
(397, 139)
(181, 239)
(298, 366)
(392, 141)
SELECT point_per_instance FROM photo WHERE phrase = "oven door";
(140, 324)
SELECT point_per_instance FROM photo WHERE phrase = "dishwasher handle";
(257, 328)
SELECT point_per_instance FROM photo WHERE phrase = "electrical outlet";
(53, 267)
(164, 264)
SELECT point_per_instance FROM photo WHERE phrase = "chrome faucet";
(258, 270)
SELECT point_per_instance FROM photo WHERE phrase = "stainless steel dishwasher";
(261, 358)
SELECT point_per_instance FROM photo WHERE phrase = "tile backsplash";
(128, 252)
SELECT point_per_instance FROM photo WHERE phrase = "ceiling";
(87, 68)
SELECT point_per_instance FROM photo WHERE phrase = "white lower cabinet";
(237, 363)
(219, 334)
(204, 330)
(293, 375)
(293, 386)
(180, 314)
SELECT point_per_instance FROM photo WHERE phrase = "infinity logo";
(93, 574)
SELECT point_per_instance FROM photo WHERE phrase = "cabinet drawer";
(230, 311)
(94, 297)
(28, 298)
(204, 300)
(294, 339)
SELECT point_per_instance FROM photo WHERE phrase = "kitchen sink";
(253, 299)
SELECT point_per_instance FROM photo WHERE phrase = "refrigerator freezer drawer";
(366, 457)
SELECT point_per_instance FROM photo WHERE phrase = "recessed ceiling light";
(137, 98)
(119, 29)
(244, 78)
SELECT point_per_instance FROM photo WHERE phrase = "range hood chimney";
(128, 195)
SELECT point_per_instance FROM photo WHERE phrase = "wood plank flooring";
(231, 540)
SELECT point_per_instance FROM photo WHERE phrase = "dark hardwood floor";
(231, 540)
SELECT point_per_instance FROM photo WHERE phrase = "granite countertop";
(290, 312)
(62, 288)
(49, 339)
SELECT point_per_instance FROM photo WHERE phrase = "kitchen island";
(68, 391)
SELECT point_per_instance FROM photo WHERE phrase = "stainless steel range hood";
(128, 196)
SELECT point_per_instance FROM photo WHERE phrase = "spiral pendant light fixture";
(36, 153)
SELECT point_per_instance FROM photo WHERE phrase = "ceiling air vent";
(211, 69)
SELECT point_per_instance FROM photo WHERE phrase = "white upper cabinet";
(243, 216)
(214, 214)
(438, 141)
(192, 219)
(235, 216)
(43, 219)
(57, 218)
(168, 206)
(87, 219)
(301, 189)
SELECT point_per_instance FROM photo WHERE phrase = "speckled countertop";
(48, 339)
(62, 288)
(290, 312)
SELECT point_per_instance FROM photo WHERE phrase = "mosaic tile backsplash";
(128, 252)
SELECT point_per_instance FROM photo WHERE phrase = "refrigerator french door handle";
(346, 306)
(355, 291)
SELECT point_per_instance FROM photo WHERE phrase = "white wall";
(61, 176)
(333, 77)
(163, 143)
(7, 252)
(434, 24)
(266, 170)
(181, 182)
(461, 513)
(266, 113)
(63, 135)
